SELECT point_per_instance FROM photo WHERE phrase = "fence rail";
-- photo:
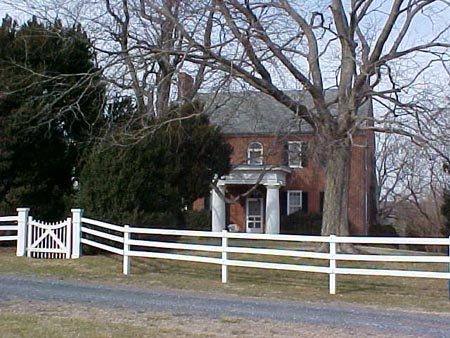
(8, 226)
(8, 219)
(118, 240)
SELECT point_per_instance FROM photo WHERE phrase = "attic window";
(255, 153)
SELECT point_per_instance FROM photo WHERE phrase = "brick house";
(270, 150)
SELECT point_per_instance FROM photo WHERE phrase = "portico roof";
(250, 175)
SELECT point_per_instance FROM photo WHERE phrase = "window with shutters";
(255, 153)
(294, 201)
(297, 154)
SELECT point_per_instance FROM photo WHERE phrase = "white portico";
(258, 217)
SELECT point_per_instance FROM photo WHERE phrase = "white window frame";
(289, 204)
(258, 160)
(299, 157)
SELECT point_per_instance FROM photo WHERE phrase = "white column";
(76, 232)
(273, 209)
(22, 218)
(218, 210)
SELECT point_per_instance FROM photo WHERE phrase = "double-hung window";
(294, 201)
(255, 153)
(297, 154)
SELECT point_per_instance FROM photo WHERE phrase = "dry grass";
(55, 320)
(412, 294)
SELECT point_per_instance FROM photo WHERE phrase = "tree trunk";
(337, 176)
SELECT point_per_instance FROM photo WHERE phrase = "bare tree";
(352, 46)
(358, 48)
(411, 183)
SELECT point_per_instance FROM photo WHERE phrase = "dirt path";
(348, 320)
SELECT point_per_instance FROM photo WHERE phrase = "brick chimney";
(185, 87)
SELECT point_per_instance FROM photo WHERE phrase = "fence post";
(224, 257)
(332, 265)
(77, 214)
(22, 218)
(126, 250)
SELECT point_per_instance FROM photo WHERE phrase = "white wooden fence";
(124, 243)
(123, 240)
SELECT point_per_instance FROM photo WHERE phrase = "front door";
(254, 214)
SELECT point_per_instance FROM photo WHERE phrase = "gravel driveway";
(183, 303)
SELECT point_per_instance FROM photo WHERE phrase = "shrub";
(382, 230)
(197, 220)
(167, 170)
(161, 220)
(301, 223)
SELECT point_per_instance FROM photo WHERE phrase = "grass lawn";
(413, 294)
(55, 320)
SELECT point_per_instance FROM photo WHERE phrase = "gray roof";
(255, 112)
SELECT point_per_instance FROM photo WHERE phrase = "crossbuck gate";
(49, 240)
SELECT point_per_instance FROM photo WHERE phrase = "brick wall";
(309, 178)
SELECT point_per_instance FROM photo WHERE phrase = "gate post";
(22, 218)
(77, 214)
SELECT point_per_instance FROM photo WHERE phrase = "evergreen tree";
(165, 172)
(50, 99)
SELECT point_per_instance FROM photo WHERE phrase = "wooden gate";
(49, 240)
